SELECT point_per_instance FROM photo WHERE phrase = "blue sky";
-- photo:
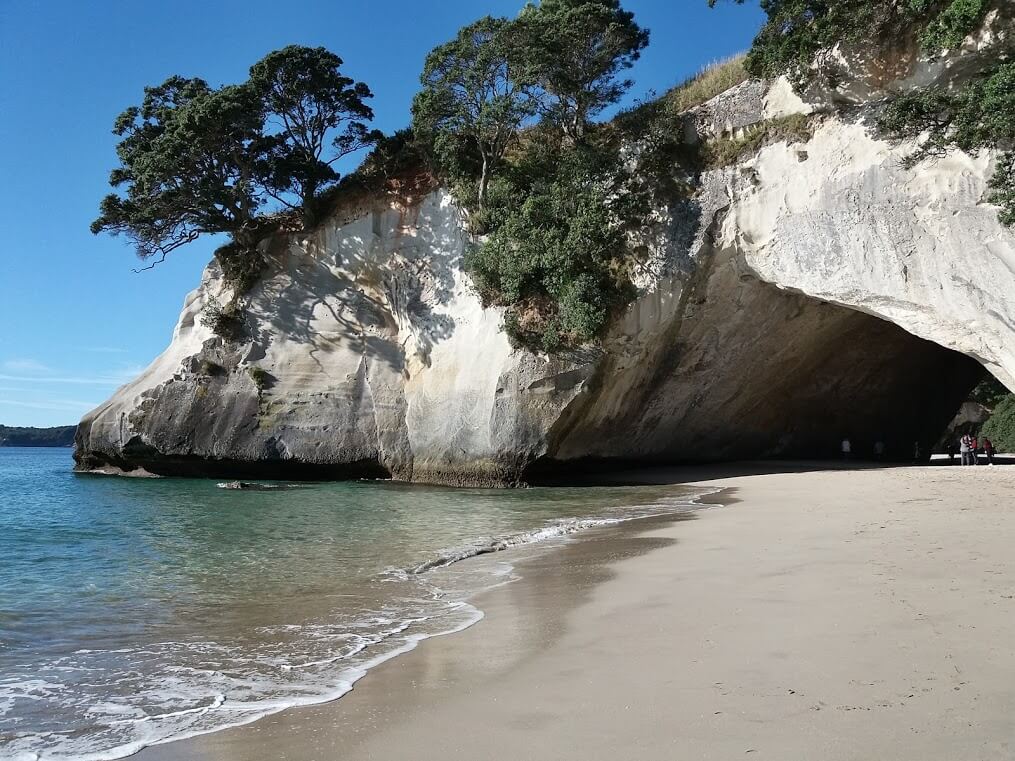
(75, 321)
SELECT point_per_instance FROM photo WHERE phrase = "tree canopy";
(198, 160)
(472, 104)
(797, 30)
(574, 52)
(188, 164)
(308, 99)
(506, 109)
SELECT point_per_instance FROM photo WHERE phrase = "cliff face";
(811, 291)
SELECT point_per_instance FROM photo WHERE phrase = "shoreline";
(592, 653)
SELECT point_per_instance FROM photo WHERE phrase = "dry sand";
(863, 614)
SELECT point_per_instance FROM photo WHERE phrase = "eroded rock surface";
(813, 291)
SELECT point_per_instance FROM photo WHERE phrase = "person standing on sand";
(974, 447)
(879, 449)
(964, 448)
(988, 449)
(847, 449)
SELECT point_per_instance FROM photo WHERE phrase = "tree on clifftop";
(189, 156)
(574, 51)
(309, 100)
(196, 160)
(472, 105)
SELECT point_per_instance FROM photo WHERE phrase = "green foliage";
(308, 100)
(398, 162)
(241, 265)
(713, 80)
(980, 115)
(261, 378)
(797, 30)
(989, 392)
(195, 160)
(187, 158)
(1000, 428)
(664, 163)
(556, 256)
(226, 321)
(1002, 186)
(552, 197)
(393, 155)
(472, 105)
(952, 25)
(572, 52)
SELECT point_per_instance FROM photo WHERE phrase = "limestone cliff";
(813, 290)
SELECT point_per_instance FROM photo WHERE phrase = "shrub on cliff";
(797, 30)
(545, 192)
(556, 255)
(1000, 428)
(980, 115)
(952, 24)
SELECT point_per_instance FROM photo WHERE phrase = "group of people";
(970, 448)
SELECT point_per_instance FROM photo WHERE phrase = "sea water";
(137, 611)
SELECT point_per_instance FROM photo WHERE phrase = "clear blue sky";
(75, 321)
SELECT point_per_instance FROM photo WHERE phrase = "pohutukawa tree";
(195, 160)
(320, 116)
(574, 52)
(548, 204)
(189, 159)
(473, 104)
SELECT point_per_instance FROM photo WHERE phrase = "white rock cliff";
(815, 290)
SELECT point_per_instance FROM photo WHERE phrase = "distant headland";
(59, 436)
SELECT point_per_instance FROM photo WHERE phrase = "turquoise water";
(134, 611)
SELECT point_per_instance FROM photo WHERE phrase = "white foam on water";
(188, 701)
(560, 528)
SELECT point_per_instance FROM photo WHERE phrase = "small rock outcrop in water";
(809, 291)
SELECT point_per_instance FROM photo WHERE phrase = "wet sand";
(827, 614)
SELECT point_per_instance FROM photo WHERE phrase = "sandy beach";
(821, 614)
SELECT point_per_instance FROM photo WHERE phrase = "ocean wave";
(559, 529)
(125, 735)
(306, 664)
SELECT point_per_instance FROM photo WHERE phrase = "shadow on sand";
(598, 475)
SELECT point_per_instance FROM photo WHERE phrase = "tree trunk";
(484, 181)
(309, 210)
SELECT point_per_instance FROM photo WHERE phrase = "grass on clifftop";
(714, 79)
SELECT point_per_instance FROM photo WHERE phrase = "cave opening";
(781, 376)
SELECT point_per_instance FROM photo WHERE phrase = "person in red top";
(975, 445)
(988, 449)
